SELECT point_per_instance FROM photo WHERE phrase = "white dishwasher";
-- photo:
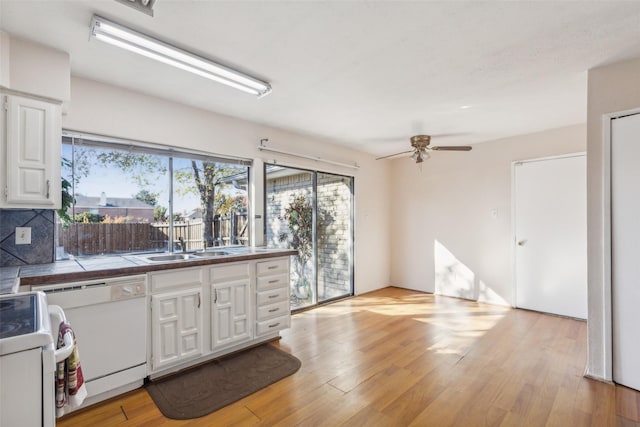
(109, 318)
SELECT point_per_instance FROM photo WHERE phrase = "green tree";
(147, 197)
(67, 196)
(160, 214)
(88, 217)
(143, 169)
(226, 204)
(204, 178)
(208, 177)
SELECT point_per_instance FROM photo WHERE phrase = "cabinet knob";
(522, 242)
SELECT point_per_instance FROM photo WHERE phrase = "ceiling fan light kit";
(420, 156)
(118, 35)
(421, 148)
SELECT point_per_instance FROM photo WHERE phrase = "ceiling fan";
(421, 148)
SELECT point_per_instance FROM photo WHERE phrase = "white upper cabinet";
(31, 143)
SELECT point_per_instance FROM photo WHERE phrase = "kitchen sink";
(184, 256)
(166, 258)
(208, 254)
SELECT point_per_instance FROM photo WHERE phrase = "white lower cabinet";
(230, 305)
(176, 317)
(199, 313)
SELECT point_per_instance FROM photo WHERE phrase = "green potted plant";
(299, 217)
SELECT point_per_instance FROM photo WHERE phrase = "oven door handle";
(56, 315)
(64, 352)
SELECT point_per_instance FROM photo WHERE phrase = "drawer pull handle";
(273, 310)
(272, 267)
(274, 281)
(274, 296)
(274, 325)
(48, 187)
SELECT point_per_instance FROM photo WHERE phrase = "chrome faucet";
(182, 245)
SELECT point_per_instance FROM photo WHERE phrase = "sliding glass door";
(334, 236)
(312, 213)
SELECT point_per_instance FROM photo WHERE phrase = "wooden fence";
(96, 239)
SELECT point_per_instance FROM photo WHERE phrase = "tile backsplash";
(42, 247)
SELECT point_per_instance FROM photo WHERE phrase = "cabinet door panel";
(169, 340)
(230, 319)
(190, 312)
(32, 142)
(190, 344)
(241, 295)
(176, 327)
(168, 308)
(222, 325)
(241, 327)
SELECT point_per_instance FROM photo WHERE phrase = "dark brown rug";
(206, 388)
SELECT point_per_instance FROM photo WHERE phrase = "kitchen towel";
(70, 388)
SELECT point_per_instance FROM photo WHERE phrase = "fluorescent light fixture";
(133, 41)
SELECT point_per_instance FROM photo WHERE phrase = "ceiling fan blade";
(452, 148)
(393, 155)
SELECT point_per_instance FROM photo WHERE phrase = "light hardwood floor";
(401, 358)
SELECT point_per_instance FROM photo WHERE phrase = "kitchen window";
(129, 197)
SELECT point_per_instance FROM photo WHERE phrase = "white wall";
(611, 89)
(35, 69)
(443, 234)
(112, 111)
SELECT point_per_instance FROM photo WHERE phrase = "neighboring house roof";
(195, 214)
(111, 202)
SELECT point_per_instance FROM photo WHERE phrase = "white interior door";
(550, 214)
(625, 237)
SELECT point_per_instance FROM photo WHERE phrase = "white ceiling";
(367, 74)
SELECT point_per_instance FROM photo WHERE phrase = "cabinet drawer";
(270, 282)
(273, 310)
(272, 296)
(276, 266)
(273, 325)
(180, 278)
(226, 272)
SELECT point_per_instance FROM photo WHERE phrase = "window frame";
(170, 153)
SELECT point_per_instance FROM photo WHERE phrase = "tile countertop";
(9, 280)
(100, 267)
